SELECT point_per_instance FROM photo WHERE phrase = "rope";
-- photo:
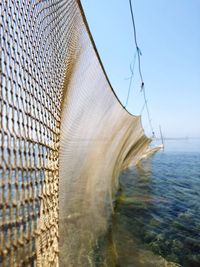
(136, 44)
(139, 54)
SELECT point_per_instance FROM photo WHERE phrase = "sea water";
(157, 214)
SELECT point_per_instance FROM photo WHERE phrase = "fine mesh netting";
(64, 136)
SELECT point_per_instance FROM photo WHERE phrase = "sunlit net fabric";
(64, 136)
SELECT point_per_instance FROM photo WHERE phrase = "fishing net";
(64, 136)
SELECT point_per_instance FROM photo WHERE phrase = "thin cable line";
(148, 113)
(131, 79)
(140, 70)
(142, 109)
(136, 44)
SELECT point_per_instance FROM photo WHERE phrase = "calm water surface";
(158, 208)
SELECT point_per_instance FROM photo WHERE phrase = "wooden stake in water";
(161, 136)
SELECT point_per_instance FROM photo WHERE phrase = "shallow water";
(158, 209)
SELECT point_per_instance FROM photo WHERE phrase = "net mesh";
(61, 127)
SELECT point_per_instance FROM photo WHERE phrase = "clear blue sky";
(168, 33)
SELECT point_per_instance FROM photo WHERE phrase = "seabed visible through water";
(157, 213)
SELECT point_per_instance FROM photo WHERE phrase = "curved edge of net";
(98, 56)
(102, 66)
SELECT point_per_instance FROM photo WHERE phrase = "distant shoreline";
(179, 138)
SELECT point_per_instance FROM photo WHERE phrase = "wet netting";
(64, 136)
